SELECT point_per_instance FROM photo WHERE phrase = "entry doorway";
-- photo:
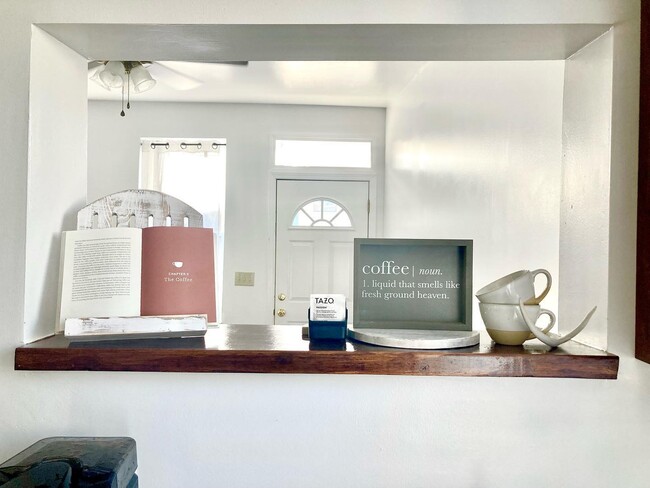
(316, 224)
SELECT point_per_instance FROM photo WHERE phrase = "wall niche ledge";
(282, 349)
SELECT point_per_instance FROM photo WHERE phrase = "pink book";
(178, 272)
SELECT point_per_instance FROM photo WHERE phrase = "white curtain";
(195, 175)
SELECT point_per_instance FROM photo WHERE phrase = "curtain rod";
(185, 145)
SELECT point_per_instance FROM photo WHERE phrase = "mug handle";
(546, 329)
(549, 281)
(553, 341)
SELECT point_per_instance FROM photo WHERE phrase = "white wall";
(114, 148)
(586, 155)
(623, 185)
(474, 151)
(57, 171)
(325, 430)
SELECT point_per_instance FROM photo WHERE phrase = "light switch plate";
(243, 278)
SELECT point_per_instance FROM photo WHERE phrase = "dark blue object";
(73, 462)
(327, 330)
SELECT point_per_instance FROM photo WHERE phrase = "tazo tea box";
(327, 308)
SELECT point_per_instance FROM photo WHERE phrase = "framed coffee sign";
(413, 284)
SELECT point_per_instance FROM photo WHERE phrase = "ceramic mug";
(506, 324)
(513, 287)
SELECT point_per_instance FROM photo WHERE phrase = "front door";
(316, 223)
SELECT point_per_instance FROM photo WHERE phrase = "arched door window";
(321, 213)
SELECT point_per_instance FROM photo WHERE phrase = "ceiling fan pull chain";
(128, 89)
(122, 112)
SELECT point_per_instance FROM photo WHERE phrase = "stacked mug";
(499, 304)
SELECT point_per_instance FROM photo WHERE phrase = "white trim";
(374, 169)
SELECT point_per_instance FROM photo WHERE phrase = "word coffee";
(391, 268)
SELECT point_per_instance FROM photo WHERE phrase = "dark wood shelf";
(282, 349)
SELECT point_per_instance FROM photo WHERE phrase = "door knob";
(282, 297)
(282, 312)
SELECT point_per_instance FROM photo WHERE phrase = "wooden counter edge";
(421, 363)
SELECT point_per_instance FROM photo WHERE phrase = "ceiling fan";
(140, 76)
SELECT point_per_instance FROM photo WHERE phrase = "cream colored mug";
(513, 287)
(506, 323)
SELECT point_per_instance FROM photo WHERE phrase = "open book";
(122, 271)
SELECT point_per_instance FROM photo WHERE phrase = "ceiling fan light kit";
(112, 74)
(137, 76)
(141, 79)
(125, 75)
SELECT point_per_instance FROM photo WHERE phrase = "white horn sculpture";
(554, 341)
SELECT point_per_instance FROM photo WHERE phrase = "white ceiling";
(350, 83)
(329, 64)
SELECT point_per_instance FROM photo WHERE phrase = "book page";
(178, 271)
(100, 273)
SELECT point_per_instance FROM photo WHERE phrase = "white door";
(316, 223)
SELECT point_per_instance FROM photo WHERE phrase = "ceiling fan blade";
(173, 78)
(233, 63)
(94, 64)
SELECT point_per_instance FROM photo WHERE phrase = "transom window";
(323, 154)
(322, 212)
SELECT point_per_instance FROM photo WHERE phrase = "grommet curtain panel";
(192, 170)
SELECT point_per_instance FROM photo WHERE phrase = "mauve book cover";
(178, 272)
